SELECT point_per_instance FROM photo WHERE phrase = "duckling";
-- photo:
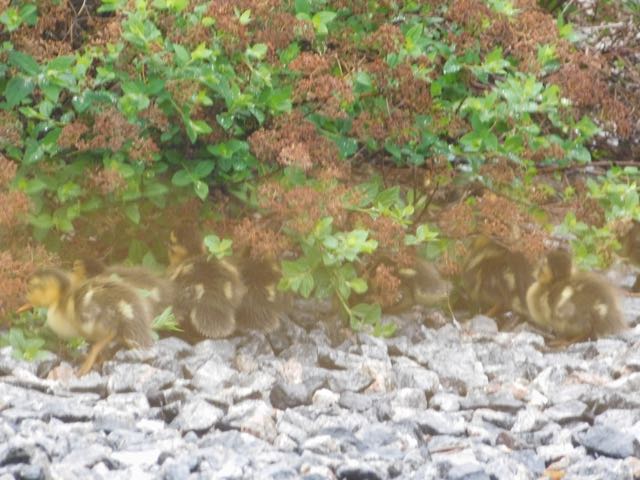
(630, 241)
(99, 310)
(573, 305)
(158, 291)
(495, 278)
(208, 291)
(424, 284)
(262, 305)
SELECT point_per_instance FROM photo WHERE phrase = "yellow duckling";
(495, 279)
(573, 305)
(99, 310)
(208, 291)
(158, 291)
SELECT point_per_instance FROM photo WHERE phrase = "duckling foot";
(493, 311)
(96, 349)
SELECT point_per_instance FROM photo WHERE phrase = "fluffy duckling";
(630, 241)
(262, 305)
(422, 284)
(99, 310)
(208, 291)
(495, 279)
(158, 291)
(574, 305)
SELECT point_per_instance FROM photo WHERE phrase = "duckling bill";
(575, 306)
(99, 310)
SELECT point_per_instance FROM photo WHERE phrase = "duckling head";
(184, 241)
(555, 266)
(86, 268)
(47, 287)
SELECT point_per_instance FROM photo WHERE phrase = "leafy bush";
(343, 132)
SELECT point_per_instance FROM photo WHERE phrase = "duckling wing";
(158, 291)
(208, 294)
(105, 307)
(262, 305)
(586, 307)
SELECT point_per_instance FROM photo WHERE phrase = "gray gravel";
(460, 402)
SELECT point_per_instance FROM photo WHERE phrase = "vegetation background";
(345, 137)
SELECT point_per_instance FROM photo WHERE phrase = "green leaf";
(203, 168)
(181, 178)
(257, 51)
(358, 285)
(24, 62)
(201, 189)
(133, 213)
(17, 89)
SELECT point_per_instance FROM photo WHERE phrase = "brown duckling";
(158, 291)
(208, 291)
(630, 242)
(573, 305)
(262, 305)
(99, 310)
(495, 279)
(424, 284)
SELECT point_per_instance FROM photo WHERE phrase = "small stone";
(139, 377)
(253, 416)
(571, 411)
(213, 376)
(481, 325)
(325, 398)
(529, 419)
(284, 395)
(440, 423)
(197, 415)
(609, 441)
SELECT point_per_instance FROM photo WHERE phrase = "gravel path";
(458, 402)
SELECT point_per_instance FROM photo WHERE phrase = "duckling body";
(631, 249)
(262, 306)
(208, 291)
(496, 279)
(422, 284)
(573, 305)
(158, 291)
(98, 310)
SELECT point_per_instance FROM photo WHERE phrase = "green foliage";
(165, 322)
(217, 247)
(327, 267)
(23, 347)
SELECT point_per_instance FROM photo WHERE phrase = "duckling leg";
(493, 311)
(96, 348)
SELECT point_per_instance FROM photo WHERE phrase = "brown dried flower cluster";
(385, 285)
(110, 130)
(457, 221)
(271, 24)
(328, 92)
(293, 140)
(260, 241)
(8, 170)
(10, 129)
(105, 180)
(144, 149)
